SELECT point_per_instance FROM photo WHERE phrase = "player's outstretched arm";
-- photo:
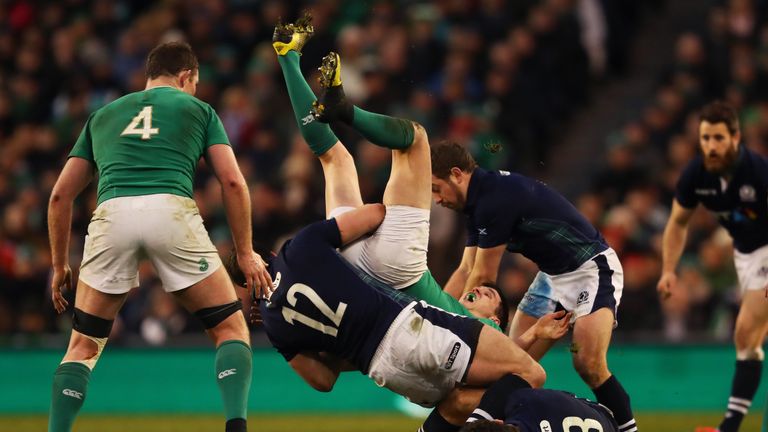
(360, 221)
(237, 203)
(673, 243)
(458, 280)
(486, 268)
(75, 176)
(551, 326)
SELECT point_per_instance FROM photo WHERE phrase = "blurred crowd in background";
(480, 72)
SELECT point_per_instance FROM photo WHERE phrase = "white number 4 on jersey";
(145, 118)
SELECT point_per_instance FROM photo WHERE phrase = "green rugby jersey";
(149, 142)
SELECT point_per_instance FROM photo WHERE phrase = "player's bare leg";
(410, 180)
(591, 338)
(452, 412)
(496, 356)
(214, 301)
(94, 314)
(521, 322)
(748, 337)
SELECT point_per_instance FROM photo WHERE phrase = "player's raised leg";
(342, 188)
(591, 338)
(214, 302)
(94, 314)
(751, 328)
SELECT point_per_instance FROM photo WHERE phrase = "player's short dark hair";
(170, 58)
(502, 312)
(488, 426)
(447, 155)
(720, 112)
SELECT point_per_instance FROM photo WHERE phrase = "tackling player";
(511, 406)
(324, 319)
(732, 181)
(145, 147)
(578, 271)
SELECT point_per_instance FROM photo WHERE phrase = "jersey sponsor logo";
(72, 393)
(544, 426)
(307, 120)
(452, 357)
(504, 173)
(482, 231)
(225, 373)
(203, 264)
(705, 192)
(747, 193)
(583, 298)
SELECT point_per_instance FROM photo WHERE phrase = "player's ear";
(185, 77)
(457, 174)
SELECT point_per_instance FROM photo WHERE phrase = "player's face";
(718, 147)
(482, 301)
(447, 193)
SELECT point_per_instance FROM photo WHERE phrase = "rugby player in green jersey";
(395, 255)
(145, 147)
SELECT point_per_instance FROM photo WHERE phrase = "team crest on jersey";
(747, 193)
(583, 297)
(545, 426)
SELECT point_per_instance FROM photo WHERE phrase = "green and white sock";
(234, 363)
(70, 383)
(318, 135)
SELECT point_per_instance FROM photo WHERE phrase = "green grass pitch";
(659, 422)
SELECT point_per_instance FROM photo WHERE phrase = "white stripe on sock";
(482, 414)
(472, 419)
(634, 429)
(627, 424)
(746, 402)
(738, 408)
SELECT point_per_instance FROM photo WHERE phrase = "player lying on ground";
(145, 147)
(510, 405)
(579, 272)
(324, 319)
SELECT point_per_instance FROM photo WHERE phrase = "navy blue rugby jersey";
(531, 218)
(536, 410)
(319, 302)
(741, 204)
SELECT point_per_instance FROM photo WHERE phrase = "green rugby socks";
(385, 131)
(234, 362)
(70, 383)
(318, 135)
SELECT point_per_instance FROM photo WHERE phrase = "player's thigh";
(752, 321)
(459, 403)
(521, 322)
(496, 355)
(591, 338)
(342, 188)
(410, 180)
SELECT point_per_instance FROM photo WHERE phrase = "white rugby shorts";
(752, 269)
(396, 253)
(596, 284)
(164, 228)
(420, 360)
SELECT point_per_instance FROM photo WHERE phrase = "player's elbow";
(322, 384)
(537, 376)
(233, 183)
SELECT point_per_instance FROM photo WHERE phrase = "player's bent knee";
(213, 316)
(92, 328)
(750, 354)
(591, 369)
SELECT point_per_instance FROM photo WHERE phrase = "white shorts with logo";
(596, 284)
(396, 253)
(422, 360)
(752, 269)
(166, 229)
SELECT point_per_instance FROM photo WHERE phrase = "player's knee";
(420, 137)
(591, 368)
(93, 334)
(224, 322)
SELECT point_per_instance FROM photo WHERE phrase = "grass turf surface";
(651, 422)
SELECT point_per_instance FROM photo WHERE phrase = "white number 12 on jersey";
(145, 118)
(290, 315)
